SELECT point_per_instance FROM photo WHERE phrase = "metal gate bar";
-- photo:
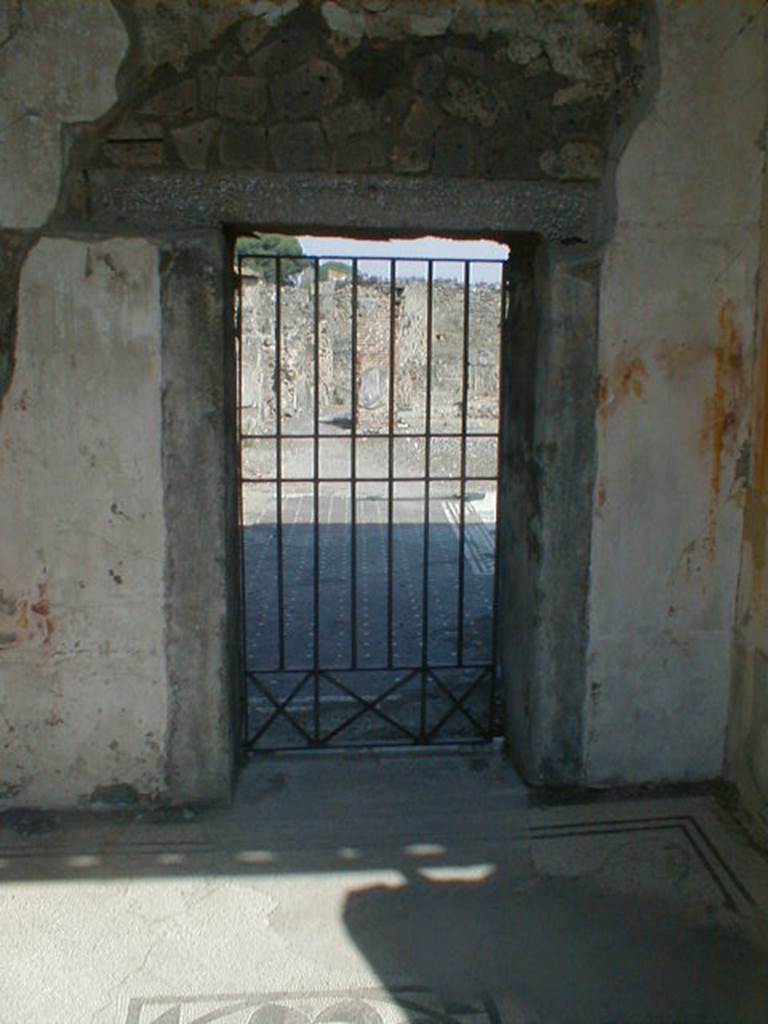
(353, 472)
(316, 508)
(391, 462)
(278, 699)
(279, 457)
(463, 470)
(503, 300)
(427, 489)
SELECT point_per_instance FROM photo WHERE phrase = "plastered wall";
(676, 382)
(82, 639)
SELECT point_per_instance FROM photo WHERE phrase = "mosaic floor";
(392, 889)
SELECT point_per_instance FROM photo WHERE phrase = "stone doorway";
(548, 479)
(368, 407)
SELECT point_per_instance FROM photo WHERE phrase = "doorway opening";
(369, 394)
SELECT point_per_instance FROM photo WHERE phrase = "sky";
(429, 246)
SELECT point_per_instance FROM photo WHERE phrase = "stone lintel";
(386, 204)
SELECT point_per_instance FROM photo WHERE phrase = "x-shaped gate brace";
(280, 708)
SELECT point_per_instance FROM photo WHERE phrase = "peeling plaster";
(44, 84)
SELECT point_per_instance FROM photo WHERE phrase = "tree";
(267, 246)
(334, 268)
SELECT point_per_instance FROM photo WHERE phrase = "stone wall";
(618, 146)
(497, 90)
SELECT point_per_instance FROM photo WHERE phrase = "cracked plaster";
(44, 85)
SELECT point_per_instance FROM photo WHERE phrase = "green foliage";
(257, 245)
(334, 268)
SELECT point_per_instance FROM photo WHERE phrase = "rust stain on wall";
(33, 623)
(755, 523)
(628, 377)
(722, 411)
(633, 378)
(43, 620)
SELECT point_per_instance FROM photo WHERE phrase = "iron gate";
(368, 400)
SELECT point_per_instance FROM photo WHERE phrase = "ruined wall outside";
(676, 367)
(376, 319)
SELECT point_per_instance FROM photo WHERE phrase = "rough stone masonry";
(492, 90)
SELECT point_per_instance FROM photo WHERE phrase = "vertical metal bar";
(503, 289)
(391, 466)
(316, 510)
(463, 469)
(353, 476)
(240, 506)
(427, 471)
(279, 457)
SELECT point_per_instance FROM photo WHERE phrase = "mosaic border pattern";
(347, 1006)
(736, 896)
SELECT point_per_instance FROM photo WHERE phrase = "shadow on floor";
(559, 950)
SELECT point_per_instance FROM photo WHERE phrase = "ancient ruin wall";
(436, 92)
(537, 93)
(380, 314)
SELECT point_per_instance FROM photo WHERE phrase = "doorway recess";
(368, 391)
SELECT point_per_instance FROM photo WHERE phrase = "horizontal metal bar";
(261, 480)
(364, 437)
(306, 257)
(371, 706)
(363, 479)
(366, 744)
(412, 669)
